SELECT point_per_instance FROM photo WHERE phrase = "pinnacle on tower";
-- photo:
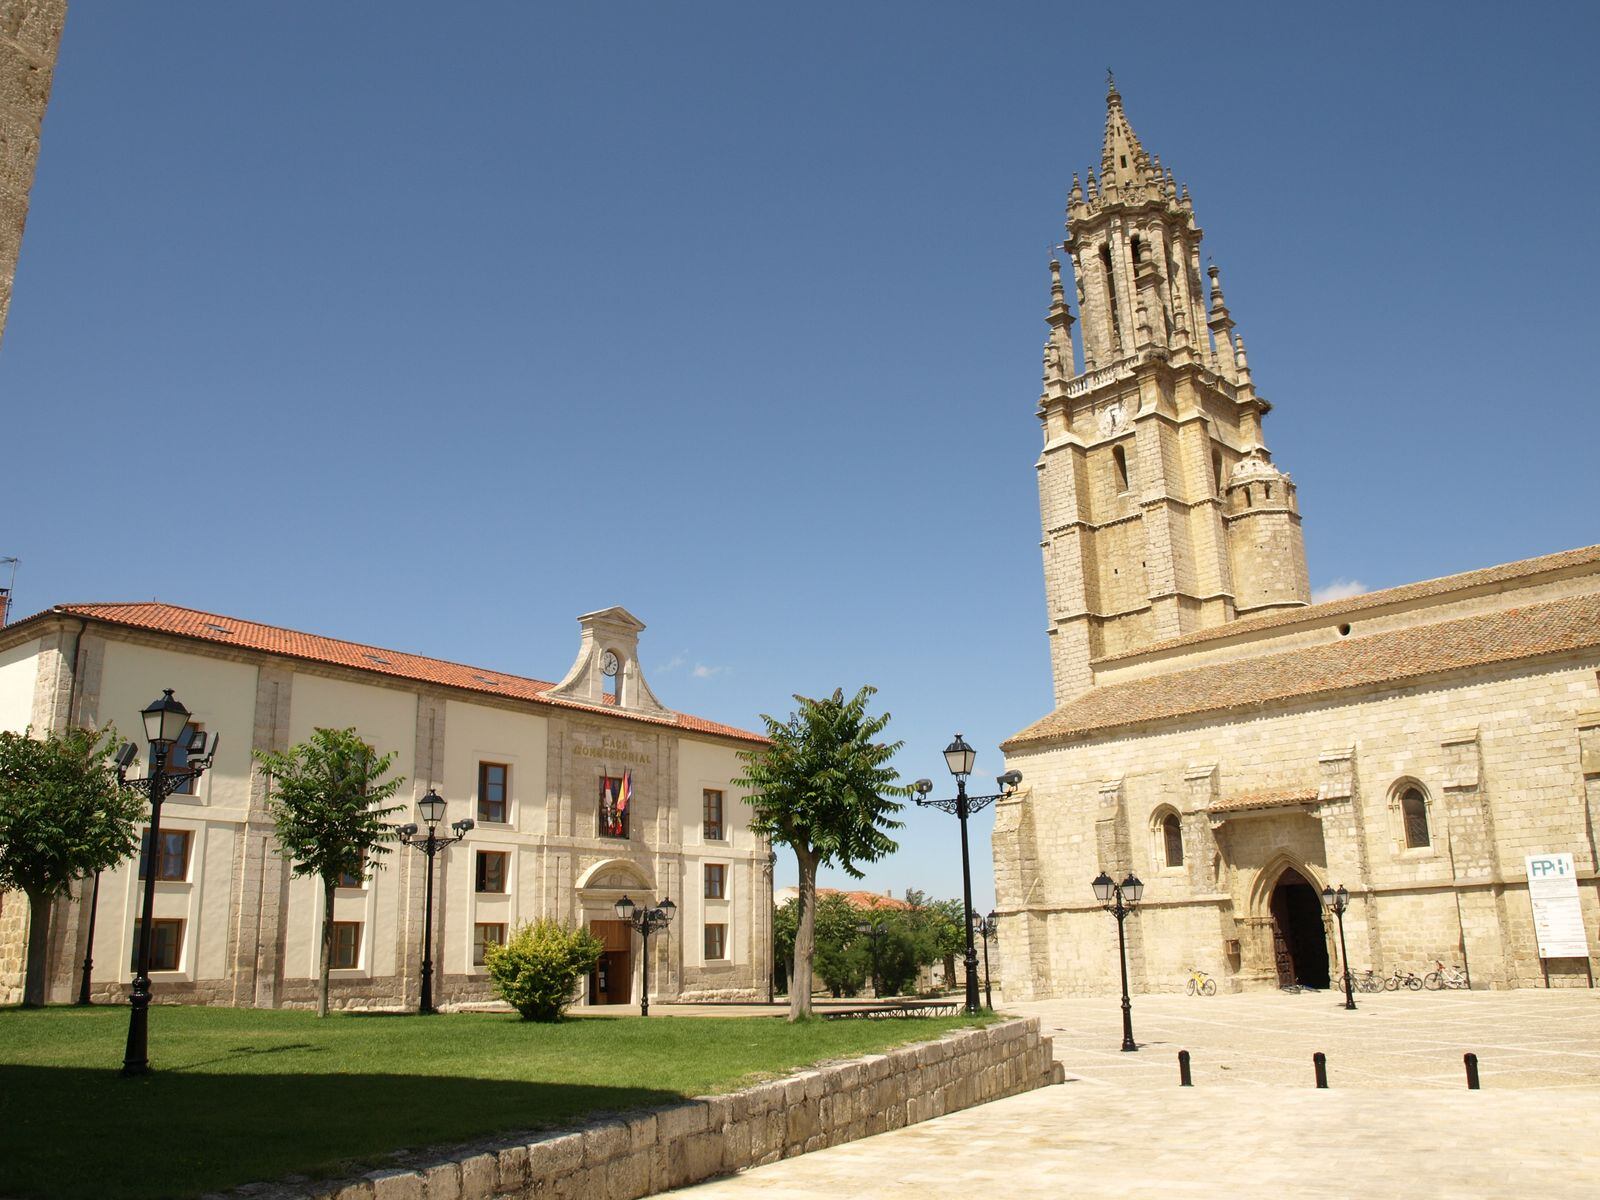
(1123, 161)
(1076, 195)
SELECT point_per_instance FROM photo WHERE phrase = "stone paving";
(1397, 1117)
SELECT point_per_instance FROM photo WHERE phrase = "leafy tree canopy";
(63, 815)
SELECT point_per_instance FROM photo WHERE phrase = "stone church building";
(1234, 745)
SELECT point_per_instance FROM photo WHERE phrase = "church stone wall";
(1518, 788)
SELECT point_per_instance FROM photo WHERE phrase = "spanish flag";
(624, 794)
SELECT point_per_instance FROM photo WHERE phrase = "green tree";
(539, 966)
(324, 799)
(823, 787)
(841, 959)
(63, 816)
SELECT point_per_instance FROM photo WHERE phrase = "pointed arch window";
(1119, 456)
(1414, 817)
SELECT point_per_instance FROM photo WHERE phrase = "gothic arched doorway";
(1299, 941)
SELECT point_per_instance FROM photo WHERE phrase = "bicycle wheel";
(1433, 981)
(1189, 987)
(1208, 988)
(1392, 984)
(1413, 983)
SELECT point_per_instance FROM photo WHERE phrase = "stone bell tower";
(1161, 509)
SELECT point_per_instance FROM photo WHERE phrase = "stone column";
(1115, 848)
(1344, 847)
(260, 872)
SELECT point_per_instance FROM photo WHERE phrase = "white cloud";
(1338, 589)
(678, 660)
(701, 671)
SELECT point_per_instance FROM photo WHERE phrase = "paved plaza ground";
(1397, 1118)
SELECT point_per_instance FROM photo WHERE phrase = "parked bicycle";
(1442, 977)
(1200, 983)
(1402, 978)
(1368, 981)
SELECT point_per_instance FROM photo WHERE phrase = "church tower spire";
(1162, 510)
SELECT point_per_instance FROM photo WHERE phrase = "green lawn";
(239, 1095)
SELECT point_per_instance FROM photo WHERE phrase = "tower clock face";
(608, 663)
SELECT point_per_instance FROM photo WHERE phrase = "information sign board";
(1557, 915)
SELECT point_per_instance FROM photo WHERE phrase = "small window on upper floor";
(1414, 815)
(493, 801)
(1119, 456)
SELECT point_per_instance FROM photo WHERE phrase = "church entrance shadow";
(1299, 940)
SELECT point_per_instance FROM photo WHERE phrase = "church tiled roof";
(272, 639)
(1395, 657)
(1423, 590)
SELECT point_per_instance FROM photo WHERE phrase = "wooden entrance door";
(1282, 958)
(611, 981)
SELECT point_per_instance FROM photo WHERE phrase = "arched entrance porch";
(599, 888)
(1299, 937)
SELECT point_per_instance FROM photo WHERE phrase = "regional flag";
(624, 793)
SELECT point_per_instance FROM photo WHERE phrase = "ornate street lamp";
(959, 757)
(646, 921)
(986, 928)
(432, 808)
(165, 719)
(1338, 901)
(872, 931)
(1120, 899)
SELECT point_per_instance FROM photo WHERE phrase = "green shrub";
(538, 968)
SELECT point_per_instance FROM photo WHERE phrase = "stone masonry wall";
(30, 33)
(1495, 751)
(627, 1157)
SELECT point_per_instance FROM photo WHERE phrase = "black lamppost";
(772, 922)
(88, 945)
(1119, 900)
(646, 921)
(164, 722)
(432, 808)
(1338, 901)
(872, 930)
(959, 757)
(986, 928)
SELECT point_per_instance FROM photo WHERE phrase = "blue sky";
(444, 325)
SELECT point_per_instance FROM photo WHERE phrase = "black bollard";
(1184, 1078)
(1319, 1060)
(1471, 1060)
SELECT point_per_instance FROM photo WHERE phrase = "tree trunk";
(949, 971)
(327, 947)
(33, 988)
(805, 937)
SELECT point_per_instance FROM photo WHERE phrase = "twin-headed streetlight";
(432, 809)
(1338, 901)
(959, 757)
(165, 720)
(646, 921)
(1120, 899)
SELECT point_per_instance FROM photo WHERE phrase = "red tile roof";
(1427, 588)
(1273, 799)
(1381, 658)
(309, 647)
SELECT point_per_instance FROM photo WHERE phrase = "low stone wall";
(652, 1151)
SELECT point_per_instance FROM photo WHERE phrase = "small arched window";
(1172, 839)
(1414, 815)
(1120, 457)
